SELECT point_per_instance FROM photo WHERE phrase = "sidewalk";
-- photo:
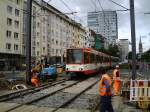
(120, 106)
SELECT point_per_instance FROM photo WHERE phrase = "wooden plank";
(6, 106)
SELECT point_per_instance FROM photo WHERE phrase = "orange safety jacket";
(34, 80)
(117, 78)
(102, 87)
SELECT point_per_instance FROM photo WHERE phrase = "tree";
(130, 55)
(113, 50)
(146, 56)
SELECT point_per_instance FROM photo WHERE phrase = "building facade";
(53, 32)
(124, 48)
(104, 23)
(11, 32)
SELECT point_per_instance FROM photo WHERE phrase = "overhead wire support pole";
(133, 39)
(28, 42)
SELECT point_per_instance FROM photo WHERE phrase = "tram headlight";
(80, 69)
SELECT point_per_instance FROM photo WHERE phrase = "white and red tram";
(86, 60)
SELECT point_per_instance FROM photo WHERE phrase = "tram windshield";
(74, 56)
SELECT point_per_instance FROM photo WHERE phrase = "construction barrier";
(140, 90)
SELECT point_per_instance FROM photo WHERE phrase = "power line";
(103, 12)
(71, 10)
(94, 4)
(118, 4)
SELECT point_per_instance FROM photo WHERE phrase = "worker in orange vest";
(116, 79)
(34, 78)
(105, 92)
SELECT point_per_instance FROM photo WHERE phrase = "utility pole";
(133, 39)
(28, 42)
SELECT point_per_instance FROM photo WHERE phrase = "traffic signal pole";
(28, 42)
(133, 39)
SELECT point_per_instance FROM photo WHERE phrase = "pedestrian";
(116, 81)
(104, 88)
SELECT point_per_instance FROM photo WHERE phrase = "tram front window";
(74, 56)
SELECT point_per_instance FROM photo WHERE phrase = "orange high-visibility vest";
(114, 75)
(102, 87)
(34, 80)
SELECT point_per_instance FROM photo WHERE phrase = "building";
(124, 48)
(140, 47)
(11, 32)
(53, 32)
(104, 23)
(90, 37)
(99, 42)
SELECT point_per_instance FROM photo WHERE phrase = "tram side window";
(101, 59)
(97, 59)
(86, 58)
(92, 58)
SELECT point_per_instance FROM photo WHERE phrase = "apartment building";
(11, 31)
(104, 23)
(90, 35)
(52, 32)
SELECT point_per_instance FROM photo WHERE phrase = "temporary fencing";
(140, 90)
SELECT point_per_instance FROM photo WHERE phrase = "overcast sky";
(142, 20)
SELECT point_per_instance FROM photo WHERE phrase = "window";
(8, 46)
(38, 53)
(16, 35)
(9, 9)
(18, 2)
(43, 38)
(8, 34)
(43, 49)
(15, 47)
(9, 21)
(86, 58)
(16, 12)
(38, 24)
(56, 42)
(38, 44)
(16, 24)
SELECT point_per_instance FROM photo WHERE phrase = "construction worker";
(116, 81)
(104, 88)
(34, 79)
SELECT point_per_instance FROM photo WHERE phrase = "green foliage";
(112, 50)
(130, 55)
(146, 56)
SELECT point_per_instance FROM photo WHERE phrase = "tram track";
(36, 97)
(74, 97)
(50, 92)
(23, 92)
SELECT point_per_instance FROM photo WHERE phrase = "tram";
(87, 60)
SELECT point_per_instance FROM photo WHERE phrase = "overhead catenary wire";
(118, 4)
(103, 12)
(94, 5)
(71, 10)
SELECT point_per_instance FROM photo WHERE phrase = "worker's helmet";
(117, 66)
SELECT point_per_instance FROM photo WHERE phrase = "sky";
(142, 21)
